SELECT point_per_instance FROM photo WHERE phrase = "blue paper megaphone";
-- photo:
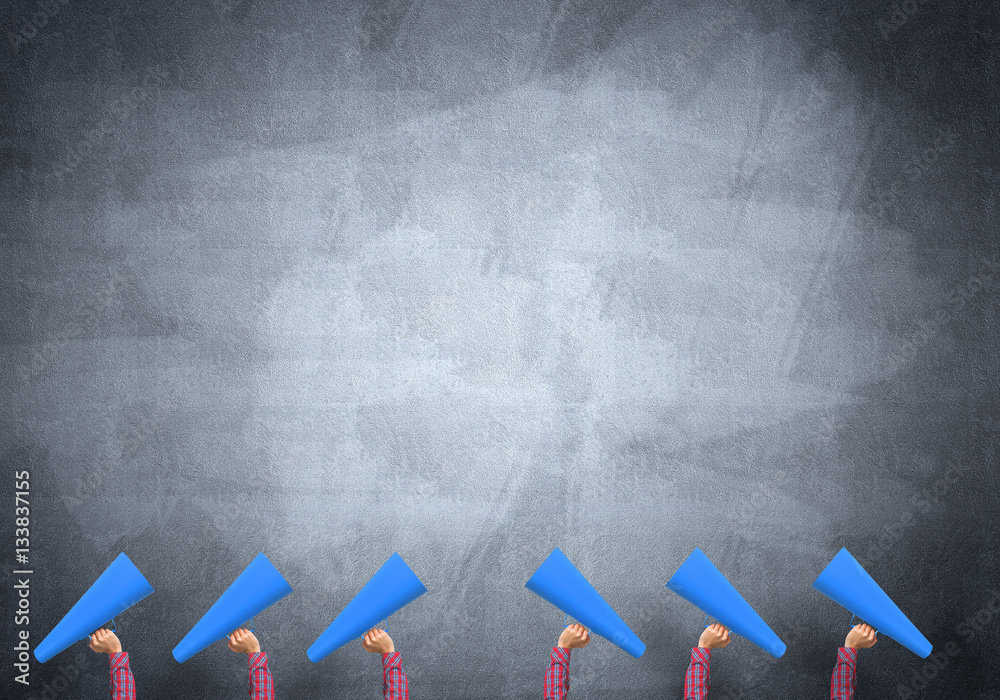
(120, 587)
(699, 582)
(562, 584)
(391, 588)
(257, 588)
(846, 582)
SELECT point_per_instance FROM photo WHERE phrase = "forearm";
(261, 685)
(845, 674)
(395, 684)
(696, 680)
(557, 675)
(122, 682)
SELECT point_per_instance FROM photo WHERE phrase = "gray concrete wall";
(469, 281)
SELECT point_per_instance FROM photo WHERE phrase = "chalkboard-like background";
(472, 280)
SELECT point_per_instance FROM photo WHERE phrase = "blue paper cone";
(562, 584)
(120, 587)
(257, 588)
(846, 582)
(700, 583)
(390, 589)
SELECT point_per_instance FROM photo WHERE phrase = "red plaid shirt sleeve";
(696, 680)
(395, 685)
(845, 674)
(557, 675)
(122, 682)
(260, 685)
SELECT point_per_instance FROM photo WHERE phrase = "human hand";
(376, 640)
(860, 637)
(105, 642)
(243, 641)
(715, 636)
(574, 637)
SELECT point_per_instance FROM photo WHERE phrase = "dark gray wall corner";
(470, 281)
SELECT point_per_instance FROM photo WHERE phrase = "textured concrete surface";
(469, 281)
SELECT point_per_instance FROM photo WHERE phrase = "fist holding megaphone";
(574, 637)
